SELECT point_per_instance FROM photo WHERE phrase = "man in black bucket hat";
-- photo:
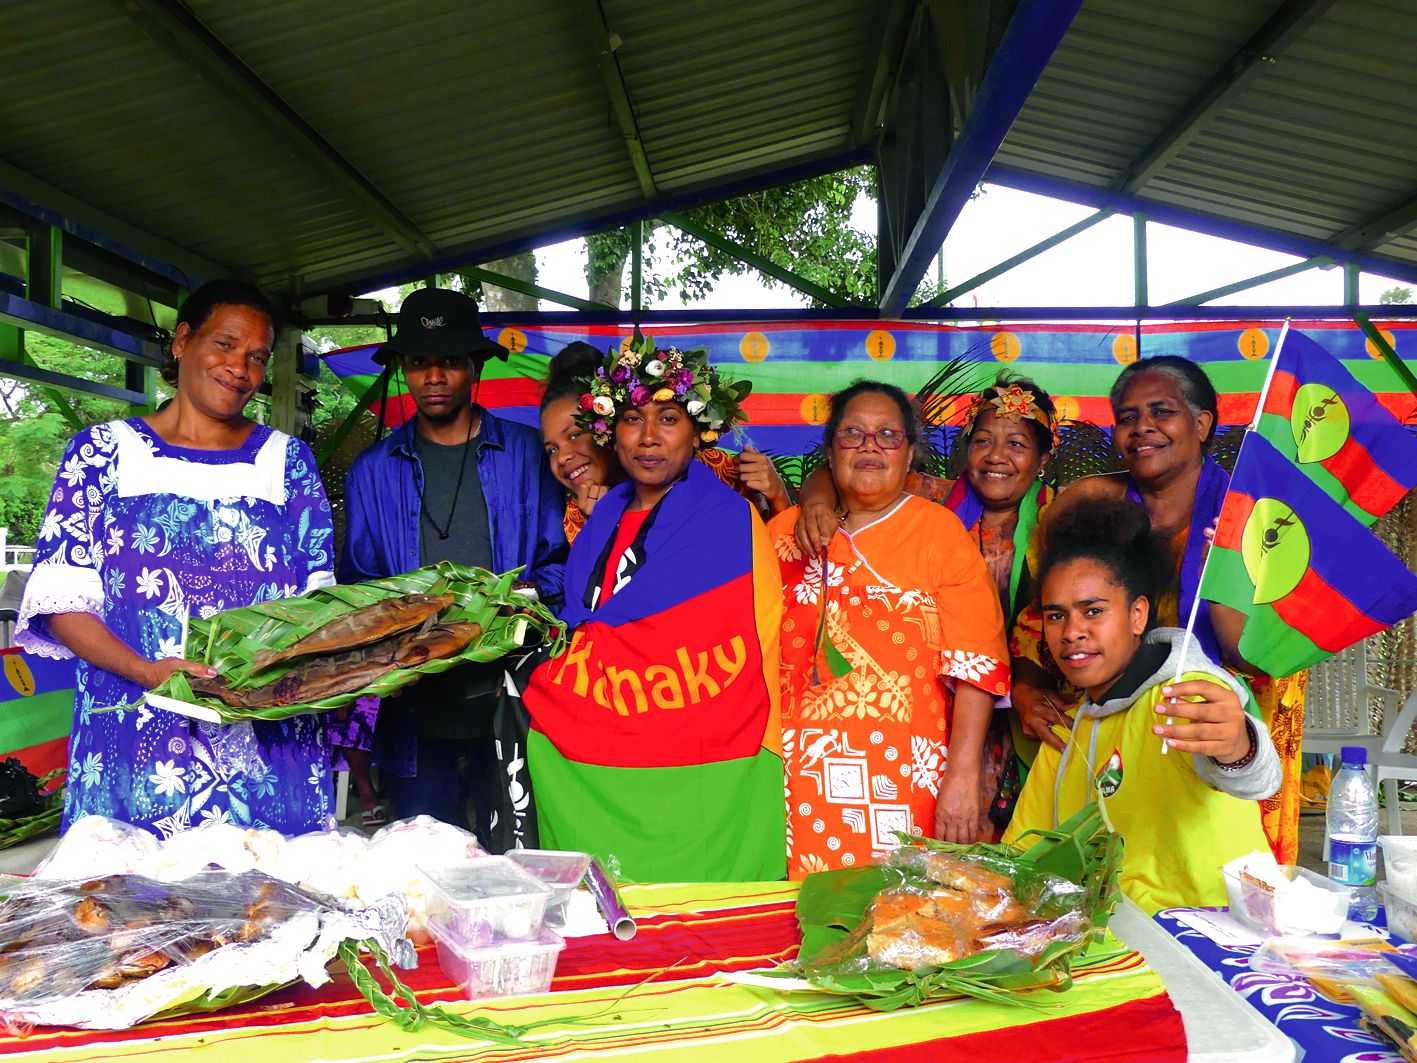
(453, 482)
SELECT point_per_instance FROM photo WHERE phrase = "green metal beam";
(637, 271)
(1350, 284)
(26, 369)
(44, 270)
(501, 280)
(1386, 350)
(1252, 282)
(352, 418)
(1139, 285)
(174, 26)
(606, 42)
(144, 380)
(1290, 22)
(944, 298)
(1377, 229)
(757, 261)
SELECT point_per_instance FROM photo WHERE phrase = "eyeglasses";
(886, 438)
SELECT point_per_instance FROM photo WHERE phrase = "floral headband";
(1012, 403)
(641, 373)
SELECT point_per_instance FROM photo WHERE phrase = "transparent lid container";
(508, 969)
(1320, 910)
(486, 900)
(560, 869)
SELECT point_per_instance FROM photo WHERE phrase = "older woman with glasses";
(893, 652)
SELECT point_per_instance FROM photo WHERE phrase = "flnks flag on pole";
(1310, 578)
(1319, 417)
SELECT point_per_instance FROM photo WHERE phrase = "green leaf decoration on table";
(228, 641)
(45, 821)
(832, 911)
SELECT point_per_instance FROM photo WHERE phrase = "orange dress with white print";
(867, 676)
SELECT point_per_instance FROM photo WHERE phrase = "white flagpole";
(1196, 601)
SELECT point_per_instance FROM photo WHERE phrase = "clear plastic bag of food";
(110, 951)
(1344, 962)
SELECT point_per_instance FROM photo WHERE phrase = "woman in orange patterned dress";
(587, 471)
(893, 652)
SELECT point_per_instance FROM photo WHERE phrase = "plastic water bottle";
(1353, 832)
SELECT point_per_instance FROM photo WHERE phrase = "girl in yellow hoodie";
(1184, 813)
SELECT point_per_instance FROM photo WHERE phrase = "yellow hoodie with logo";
(1178, 824)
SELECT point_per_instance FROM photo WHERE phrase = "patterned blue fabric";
(127, 541)
(1323, 1031)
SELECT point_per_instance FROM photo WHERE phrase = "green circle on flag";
(1275, 547)
(1320, 422)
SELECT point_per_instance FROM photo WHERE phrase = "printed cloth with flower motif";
(142, 534)
(909, 611)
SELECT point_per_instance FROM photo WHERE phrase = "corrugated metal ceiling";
(487, 123)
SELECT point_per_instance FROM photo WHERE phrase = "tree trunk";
(522, 266)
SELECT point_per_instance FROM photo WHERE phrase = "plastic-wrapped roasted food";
(112, 951)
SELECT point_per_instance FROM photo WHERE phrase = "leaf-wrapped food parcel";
(487, 619)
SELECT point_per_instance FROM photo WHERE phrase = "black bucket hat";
(439, 321)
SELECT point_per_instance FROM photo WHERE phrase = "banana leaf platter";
(833, 905)
(229, 641)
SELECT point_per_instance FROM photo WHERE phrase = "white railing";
(13, 556)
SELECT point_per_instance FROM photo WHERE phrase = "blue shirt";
(525, 508)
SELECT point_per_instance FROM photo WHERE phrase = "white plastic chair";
(1336, 714)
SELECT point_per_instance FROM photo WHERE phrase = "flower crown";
(1012, 403)
(641, 373)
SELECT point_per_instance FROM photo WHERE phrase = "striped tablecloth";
(689, 936)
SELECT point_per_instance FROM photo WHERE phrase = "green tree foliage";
(1396, 296)
(805, 227)
(34, 431)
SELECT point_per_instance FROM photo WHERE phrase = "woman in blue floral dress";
(186, 512)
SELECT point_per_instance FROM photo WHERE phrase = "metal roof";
(1315, 133)
(318, 146)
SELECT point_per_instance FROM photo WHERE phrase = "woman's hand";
(957, 808)
(154, 673)
(587, 495)
(757, 473)
(1039, 709)
(818, 521)
(1217, 722)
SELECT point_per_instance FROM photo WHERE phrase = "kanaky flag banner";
(1337, 432)
(1311, 579)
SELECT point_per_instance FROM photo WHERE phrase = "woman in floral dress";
(893, 653)
(185, 512)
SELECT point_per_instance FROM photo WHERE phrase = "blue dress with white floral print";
(143, 534)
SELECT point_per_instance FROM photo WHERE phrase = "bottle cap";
(1355, 755)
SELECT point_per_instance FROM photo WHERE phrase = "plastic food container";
(485, 901)
(1286, 912)
(1401, 911)
(562, 870)
(1400, 861)
(508, 969)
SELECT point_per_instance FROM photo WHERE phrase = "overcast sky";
(1093, 268)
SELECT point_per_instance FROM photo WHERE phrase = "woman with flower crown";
(587, 469)
(893, 652)
(655, 738)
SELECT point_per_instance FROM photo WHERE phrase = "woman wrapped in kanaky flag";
(893, 653)
(1009, 433)
(656, 739)
(1183, 814)
(1166, 411)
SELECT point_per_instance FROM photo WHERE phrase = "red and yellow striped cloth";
(1117, 1010)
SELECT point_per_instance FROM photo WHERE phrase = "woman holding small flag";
(1101, 569)
(1166, 411)
(893, 652)
(656, 739)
